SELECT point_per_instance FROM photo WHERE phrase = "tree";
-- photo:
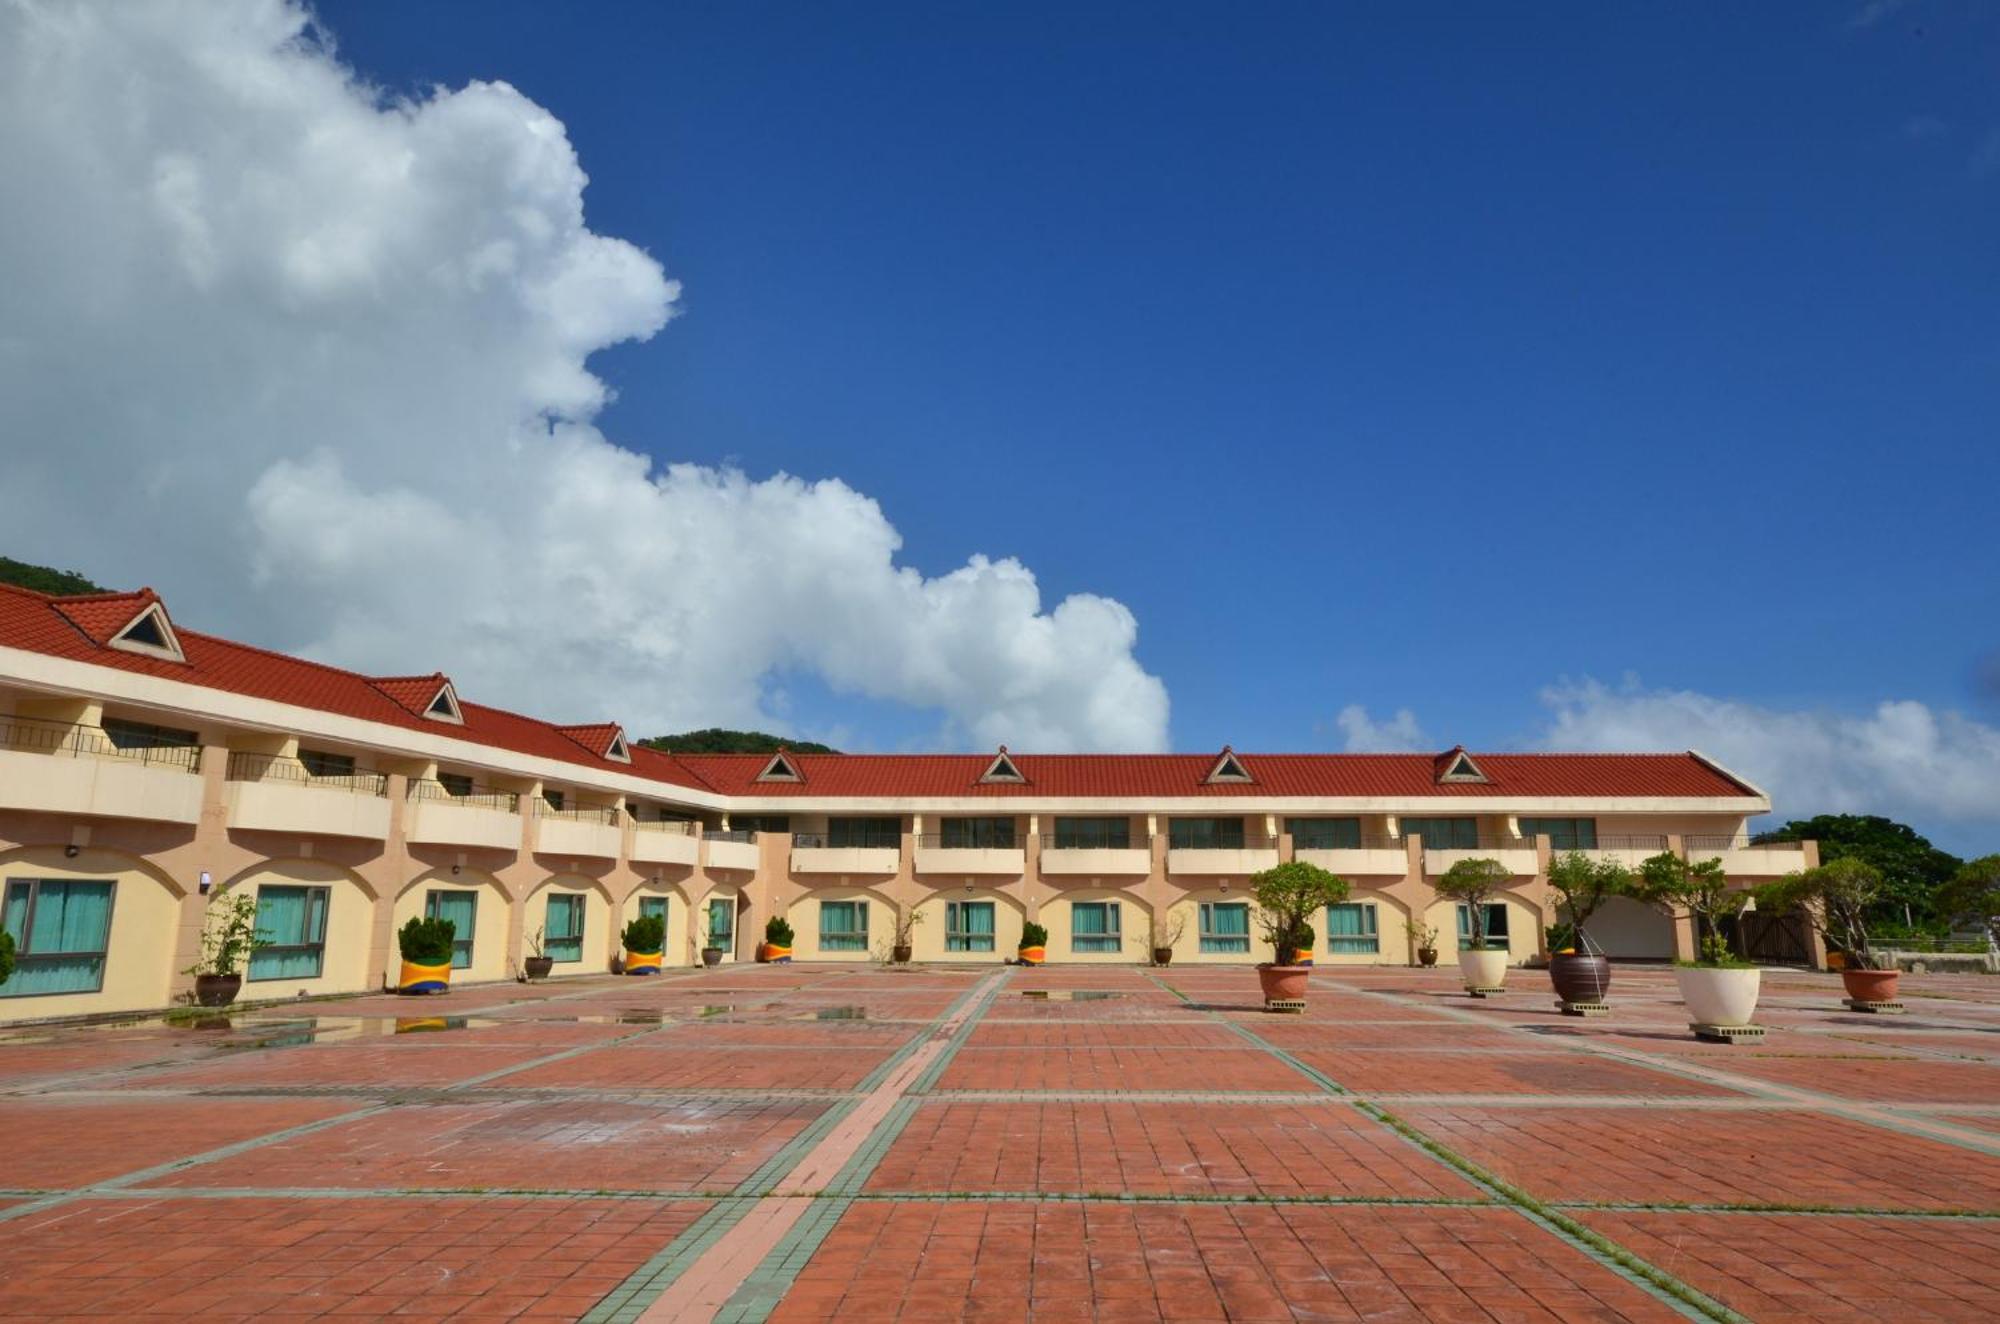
(43, 579)
(1288, 896)
(1582, 885)
(1912, 869)
(718, 740)
(1699, 888)
(1973, 895)
(1835, 899)
(1472, 884)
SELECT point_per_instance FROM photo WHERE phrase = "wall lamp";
(70, 851)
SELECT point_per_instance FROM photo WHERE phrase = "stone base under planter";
(1727, 1034)
(1490, 992)
(1875, 1008)
(1583, 1008)
(1291, 1006)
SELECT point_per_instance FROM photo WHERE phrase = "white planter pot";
(1718, 997)
(1483, 969)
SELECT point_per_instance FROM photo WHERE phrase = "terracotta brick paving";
(682, 1068)
(441, 1060)
(1376, 1072)
(1130, 1068)
(1902, 1080)
(58, 1143)
(1128, 1034)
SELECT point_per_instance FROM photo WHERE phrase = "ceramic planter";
(1579, 977)
(216, 990)
(1428, 956)
(643, 963)
(418, 978)
(711, 956)
(1163, 956)
(1284, 983)
(1719, 996)
(538, 967)
(1871, 985)
(1484, 967)
(900, 953)
(1034, 955)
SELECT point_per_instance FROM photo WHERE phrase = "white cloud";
(1400, 734)
(313, 360)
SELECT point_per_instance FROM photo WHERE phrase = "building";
(143, 765)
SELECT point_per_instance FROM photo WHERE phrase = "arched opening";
(479, 908)
(841, 924)
(975, 924)
(572, 916)
(319, 922)
(668, 900)
(1095, 925)
(93, 933)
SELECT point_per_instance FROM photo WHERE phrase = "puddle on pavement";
(838, 1014)
(1069, 994)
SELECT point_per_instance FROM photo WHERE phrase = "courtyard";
(801, 1142)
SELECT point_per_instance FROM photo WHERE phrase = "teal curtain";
(1350, 927)
(1444, 833)
(562, 937)
(61, 931)
(462, 909)
(1225, 926)
(1496, 924)
(721, 922)
(968, 926)
(843, 926)
(1563, 833)
(1093, 926)
(653, 905)
(293, 921)
(1205, 834)
(1093, 834)
(1324, 833)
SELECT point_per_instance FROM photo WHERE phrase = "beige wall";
(678, 910)
(146, 917)
(491, 921)
(803, 916)
(1055, 917)
(597, 935)
(928, 939)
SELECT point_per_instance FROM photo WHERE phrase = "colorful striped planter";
(777, 955)
(424, 978)
(642, 963)
(1034, 955)
(1299, 956)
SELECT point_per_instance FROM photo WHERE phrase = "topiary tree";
(1700, 889)
(1034, 935)
(426, 941)
(1472, 883)
(646, 934)
(1973, 895)
(778, 931)
(1834, 898)
(1288, 896)
(1582, 885)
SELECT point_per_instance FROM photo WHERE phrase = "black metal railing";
(1652, 843)
(1136, 841)
(602, 815)
(674, 826)
(1486, 841)
(1367, 841)
(1718, 842)
(729, 834)
(821, 841)
(474, 797)
(1248, 841)
(248, 767)
(33, 735)
(952, 841)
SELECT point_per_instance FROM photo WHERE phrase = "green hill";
(44, 580)
(716, 740)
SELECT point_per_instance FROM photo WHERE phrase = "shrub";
(426, 941)
(228, 933)
(6, 955)
(1582, 886)
(646, 934)
(1472, 884)
(1672, 883)
(1034, 935)
(1288, 896)
(1973, 894)
(1834, 898)
(778, 932)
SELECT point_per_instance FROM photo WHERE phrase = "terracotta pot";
(1286, 982)
(1033, 955)
(1484, 967)
(1163, 956)
(1871, 985)
(1427, 955)
(711, 956)
(1579, 977)
(900, 954)
(217, 990)
(1719, 996)
(643, 963)
(763, 953)
(417, 978)
(538, 967)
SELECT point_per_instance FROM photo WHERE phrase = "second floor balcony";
(1515, 854)
(462, 814)
(72, 768)
(1743, 858)
(590, 830)
(948, 854)
(1228, 857)
(731, 849)
(274, 793)
(664, 841)
(1356, 857)
(818, 852)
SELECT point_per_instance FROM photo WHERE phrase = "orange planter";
(770, 951)
(424, 978)
(1033, 955)
(1299, 956)
(642, 963)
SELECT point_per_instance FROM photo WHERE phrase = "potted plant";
(1034, 944)
(778, 938)
(1719, 990)
(1423, 941)
(1582, 885)
(1163, 934)
(645, 944)
(1288, 895)
(711, 954)
(425, 945)
(903, 948)
(1834, 898)
(228, 937)
(1473, 883)
(540, 964)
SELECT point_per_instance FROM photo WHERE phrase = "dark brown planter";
(1163, 956)
(1284, 982)
(217, 990)
(538, 967)
(1871, 985)
(1427, 955)
(711, 956)
(1580, 978)
(900, 954)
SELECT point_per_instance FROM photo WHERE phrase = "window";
(617, 751)
(978, 833)
(444, 706)
(1093, 926)
(1093, 834)
(876, 832)
(146, 630)
(318, 763)
(1350, 927)
(1496, 924)
(149, 633)
(562, 935)
(843, 926)
(1444, 833)
(1002, 769)
(1227, 769)
(1461, 768)
(968, 926)
(1324, 833)
(760, 823)
(456, 784)
(1205, 834)
(144, 735)
(293, 921)
(1563, 833)
(722, 922)
(61, 931)
(462, 909)
(653, 906)
(779, 769)
(553, 799)
(1225, 926)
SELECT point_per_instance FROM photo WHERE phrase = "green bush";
(1034, 935)
(646, 935)
(1699, 888)
(6, 955)
(1472, 884)
(1290, 894)
(1835, 899)
(778, 932)
(426, 941)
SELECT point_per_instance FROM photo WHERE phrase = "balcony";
(1097, 861)
(1253, 855)
(732, 850)
(813, 853)
(1383, 858)
(1516, 854)
(63, 768)
(1630, 851)
(440, 816)
(671, 842)
(933, 856)
(267, 793)
(584, 830)
(1743, 859)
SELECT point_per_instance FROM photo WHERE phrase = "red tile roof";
(77, 629)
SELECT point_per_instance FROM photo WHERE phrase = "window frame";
(1292, 826)
(577, 904)
(1113, 935)
(23, 954)
(864, 832)
(1579, 833)
(1464, 922)
(1371, 930)
(978, 832)
(471, 894)
(1093, 832)
(1218, 833)
(1208, 939)
(956, 934)
(1458, 822)
(844, 940)
(708, 937)
(318, 897)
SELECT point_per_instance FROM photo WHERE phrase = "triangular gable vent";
(1458, 766)
(616, 750)
(150, 633)
(780, 769)
(443, 706)
(1002, 769)
(1229, 768)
